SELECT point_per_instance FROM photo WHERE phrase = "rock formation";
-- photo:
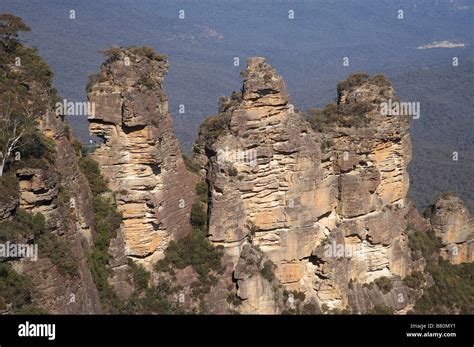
(370, 161)
(42, 187)
(312, 212)
(452, 222)
(46, 200)
(140, 156)
(71, 221)
(297, 194)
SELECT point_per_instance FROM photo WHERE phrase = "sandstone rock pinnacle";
(452, 222)
(140, 156)
(345, 185)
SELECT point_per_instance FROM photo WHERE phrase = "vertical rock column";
(370, 154)
(454, 225)
(140, 156)
(275, 201)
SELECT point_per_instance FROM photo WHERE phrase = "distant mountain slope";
(307, 50)
(446, 125)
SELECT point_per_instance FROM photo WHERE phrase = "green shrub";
(448, 195)
(64, 195)
(24, 225)
(415, 280)
(15, 289)
(31, 309)
(147, 81)
(267, 271)
(213, 127)
(78, 148)
(233, 299)
(94, 79)
(385, 284)
(148, 52)
(90, 169)
(233, 171)
(190, 164)
(202, 191)
(57, 250)
(368, 285)
(345, 115)
(9, 189)
(107, 219)
(300, 296)
(453, 289)
(50, 245)
(26, 90)
(141, 277)
(106, 222)
(227, 104)
(38, 146)
(424, 244)
(36, 151)
(349, 115)
(359, 78)
(198, 215)
(154, 301)
(192, 250)
(310, 308)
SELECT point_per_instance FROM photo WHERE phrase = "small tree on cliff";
(10, 25)
(23, 88)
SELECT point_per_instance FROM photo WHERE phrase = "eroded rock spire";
(140, 156)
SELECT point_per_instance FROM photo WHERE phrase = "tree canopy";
(25, 89)
(10, 26)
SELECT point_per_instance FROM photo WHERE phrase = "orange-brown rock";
(306, 189)
(140, 156)
(452, 222)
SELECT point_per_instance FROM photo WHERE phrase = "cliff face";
(140, 156)
(305, 195)
(452, 222)
(370, 161)
(70, 220)
(46, 201)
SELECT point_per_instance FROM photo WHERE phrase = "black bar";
(240, 329)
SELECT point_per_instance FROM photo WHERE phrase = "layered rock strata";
(140, 156)
(41, 190)
(300, 195)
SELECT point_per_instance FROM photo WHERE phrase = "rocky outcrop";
(302, 195)
(140, 156)
(42, 189)
(256, 286)
(370, 154)
(453, 224)
(8, 204)
(38, 189)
